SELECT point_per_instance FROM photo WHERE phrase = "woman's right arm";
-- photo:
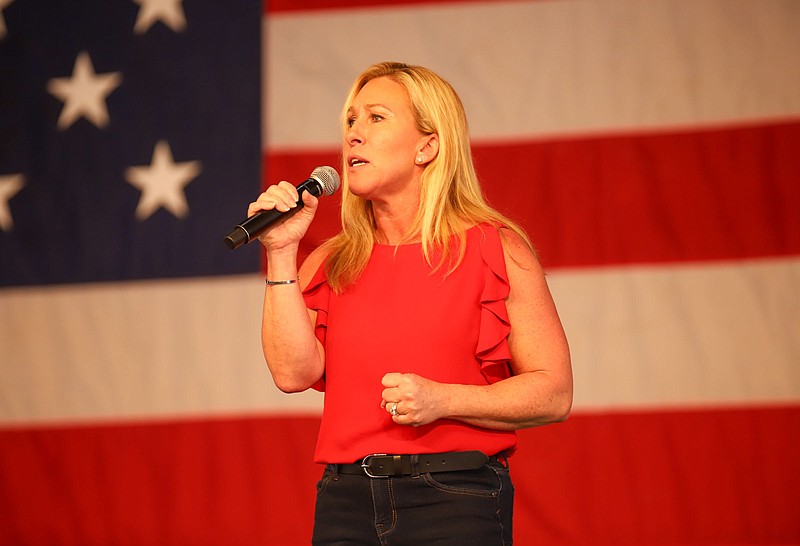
(295, 358)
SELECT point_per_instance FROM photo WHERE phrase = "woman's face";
(381, 143)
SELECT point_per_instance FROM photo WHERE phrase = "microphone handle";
(250, 228)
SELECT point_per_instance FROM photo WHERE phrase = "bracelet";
(290, 281)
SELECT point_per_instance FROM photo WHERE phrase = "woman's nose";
(353, 134)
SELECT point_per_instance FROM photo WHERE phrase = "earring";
(419, 159)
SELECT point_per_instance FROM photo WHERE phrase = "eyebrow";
(371, 106)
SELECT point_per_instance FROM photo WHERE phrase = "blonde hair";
(451, 199)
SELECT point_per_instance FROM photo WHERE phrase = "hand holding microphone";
(323, 180)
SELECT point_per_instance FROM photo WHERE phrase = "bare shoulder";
(519, 255)
(311, 264)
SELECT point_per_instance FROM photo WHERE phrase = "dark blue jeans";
(467, 508)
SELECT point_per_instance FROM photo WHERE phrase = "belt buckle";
(365, 465)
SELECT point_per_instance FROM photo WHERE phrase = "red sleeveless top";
(401, 316)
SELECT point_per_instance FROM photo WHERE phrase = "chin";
(360, 188)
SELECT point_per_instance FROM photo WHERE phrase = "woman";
(427, 321)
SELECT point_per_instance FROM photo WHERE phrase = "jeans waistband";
(382, 465)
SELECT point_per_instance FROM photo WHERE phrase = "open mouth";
(356, 161)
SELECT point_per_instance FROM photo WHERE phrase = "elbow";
(287, 387)
(562, 408)
(560, 405)
(556, 409)
(563, 402)
(290, 385)
(295, 375)
(557, 412)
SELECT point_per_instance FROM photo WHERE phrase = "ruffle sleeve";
(492, 350)
(317, 298)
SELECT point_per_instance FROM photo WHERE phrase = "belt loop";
(502, 458)
(415, 466)
(334, 468)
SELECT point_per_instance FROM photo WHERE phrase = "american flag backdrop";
(651, 149)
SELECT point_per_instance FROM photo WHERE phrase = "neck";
(393, 222)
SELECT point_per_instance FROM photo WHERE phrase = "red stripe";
(283, 6)
(718, 194)
(721, 477)
(712, 477)
(219, 482)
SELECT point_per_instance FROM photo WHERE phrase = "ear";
(427, 149)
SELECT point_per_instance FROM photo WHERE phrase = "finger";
(391, 379)
(309, 200)
(262, 204)
(289, 190)
(253, 208)
(268, 200)
(284, 195)
(389, 394)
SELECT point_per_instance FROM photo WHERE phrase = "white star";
(84, 94)
(169, 12)
(162, 182)
(9, 186)
(3, 5)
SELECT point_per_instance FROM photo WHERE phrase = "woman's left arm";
(540, 389)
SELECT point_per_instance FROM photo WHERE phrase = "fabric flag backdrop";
(651, 149)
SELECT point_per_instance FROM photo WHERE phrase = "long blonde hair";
(450, 194)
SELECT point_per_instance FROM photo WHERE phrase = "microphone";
(322, 179)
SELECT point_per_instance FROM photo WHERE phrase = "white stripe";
(683, 336)
(528, 69)
(640, 338)
(137, 350)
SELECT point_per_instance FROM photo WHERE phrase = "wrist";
(288, 251)
(282, 264)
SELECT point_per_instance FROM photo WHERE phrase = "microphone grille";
(328, 178)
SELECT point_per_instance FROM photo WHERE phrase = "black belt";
(381, 465)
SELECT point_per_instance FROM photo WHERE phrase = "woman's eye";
(372, 117)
